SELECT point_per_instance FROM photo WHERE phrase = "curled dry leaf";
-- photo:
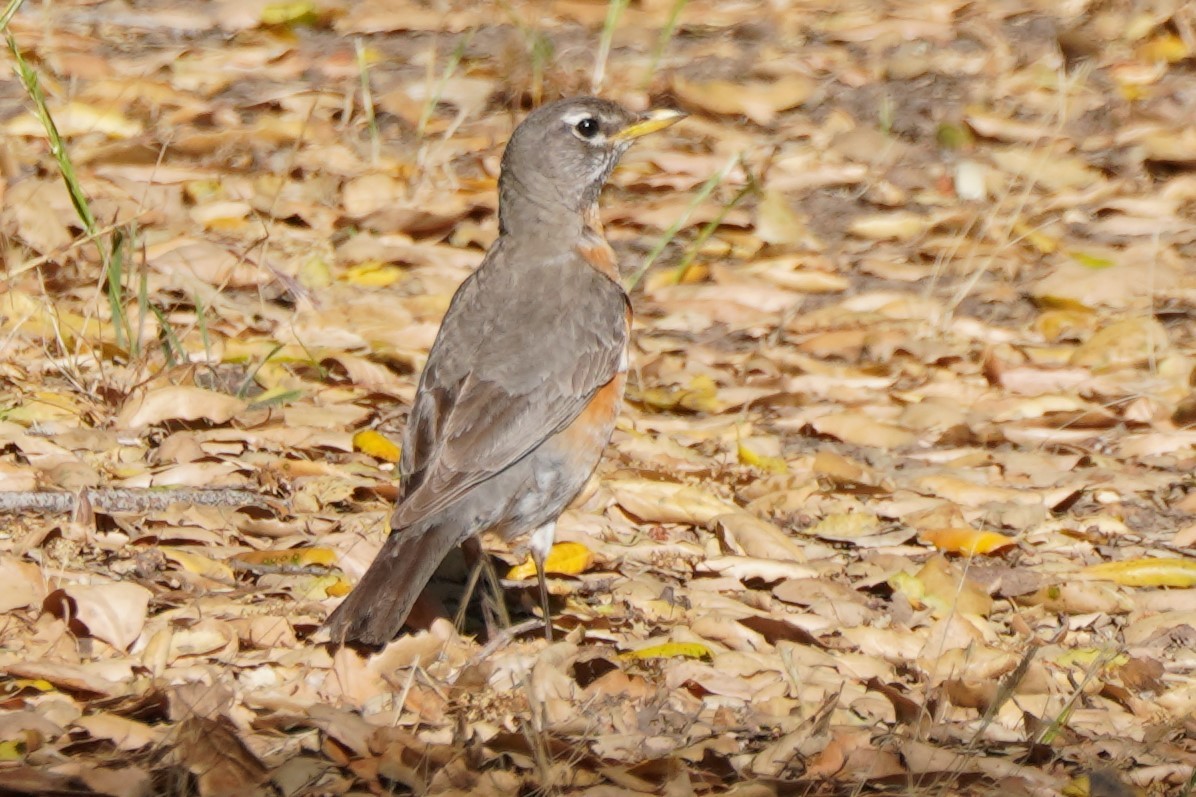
(944, 589)
(668, 502)
(859, 429)
(290, 557)
(1123, 343)
(1180, 573)
(758, 101)
(967, 540)
(198, 564)
(23, 582)
(753, 536)
(112, 612)
(75, 119)
(178, 403)
(776, 222)
(126, 734)
(746, 568)
(751, 456)
(898, 225)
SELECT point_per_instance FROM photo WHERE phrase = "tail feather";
(378, 606)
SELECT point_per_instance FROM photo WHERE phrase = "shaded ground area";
(903, 499)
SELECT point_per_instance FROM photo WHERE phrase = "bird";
(520, 391)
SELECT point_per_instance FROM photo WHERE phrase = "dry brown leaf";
(745, 533)
(668, 502)
(126, 734)
(76, 119)
(759, 101)
(113, 612)
(746, 568)
(858, 429)
(945, 589)
(23, 582)
(1128, 342)
(178, 402)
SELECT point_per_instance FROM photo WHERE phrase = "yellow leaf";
(78, 118)
(1054, 324)
(954, 136)
(1036, 238)
(198, 564)
(376, 445)
(1126, 342)
(670, 650)
(1179, 573)
(771, 464)
(299, 12)
(12, 750)
(42, 407)
(967, 540)
(1167, 48)
(701, 395)
(338, 588)
(315, 273)
(373, 274)
(38, 684)
(1095, 262)
(200, 191)
(565, 558)
(1086, 657)
(690, 274)
(290, 557)
(846, 526)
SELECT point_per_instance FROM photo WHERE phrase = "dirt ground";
(902, 499)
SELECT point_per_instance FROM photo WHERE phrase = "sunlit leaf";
(372, 274)
(967, 540)
(290, 557)
(297, 12)
(1091, 261)
(670, 650)
(1159, 572)
(766, 463)
(377, 445)
(565, 558)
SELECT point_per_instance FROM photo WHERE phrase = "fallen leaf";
(670, 650)
(376, 444)
(759, 101)
(1158, 572)
(178, 402)
(565, 558)
(967, 540)
(114, 612)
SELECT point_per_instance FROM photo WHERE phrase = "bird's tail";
(378, 606)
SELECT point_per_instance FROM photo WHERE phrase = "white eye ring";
(585, 126)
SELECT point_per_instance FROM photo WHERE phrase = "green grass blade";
(704, 191)
(662, 41)
(614, 10)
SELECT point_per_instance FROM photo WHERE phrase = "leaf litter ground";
(902, 501)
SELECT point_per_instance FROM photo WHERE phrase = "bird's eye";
(587, 128)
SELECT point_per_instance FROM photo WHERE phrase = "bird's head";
(562, 153)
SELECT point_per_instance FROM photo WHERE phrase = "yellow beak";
(650, 122)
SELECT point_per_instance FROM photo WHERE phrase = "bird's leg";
(471, 549)
(541, 544)
(479, 563)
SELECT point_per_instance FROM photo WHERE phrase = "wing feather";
(496, 385)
